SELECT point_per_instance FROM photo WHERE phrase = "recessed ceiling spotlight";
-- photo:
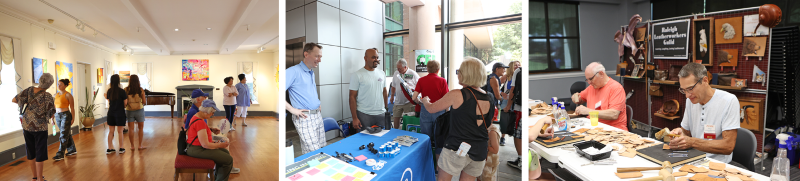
(208, 28)
(176, 29)
(205, 44)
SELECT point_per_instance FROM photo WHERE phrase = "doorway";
(83, 86)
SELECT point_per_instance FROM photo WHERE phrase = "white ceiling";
(148, 26)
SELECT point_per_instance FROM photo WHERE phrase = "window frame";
(547, 38)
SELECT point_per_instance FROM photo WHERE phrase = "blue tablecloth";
(413, 162)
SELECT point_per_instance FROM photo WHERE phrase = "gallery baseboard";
(7, 156)
(218, 113)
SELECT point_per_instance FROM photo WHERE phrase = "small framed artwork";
(739, 82)
(754, 46)
(124, 76)
(702, 41)
(752, 113)
(728, 57)
(729, 30)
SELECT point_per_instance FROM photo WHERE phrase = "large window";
(554, 37)
(393, 46)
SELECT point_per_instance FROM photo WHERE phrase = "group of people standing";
(472, 108)
(126, 105)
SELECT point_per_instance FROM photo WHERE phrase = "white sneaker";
(235, 170)
(233, 129)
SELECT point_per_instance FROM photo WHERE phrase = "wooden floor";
(254, 149)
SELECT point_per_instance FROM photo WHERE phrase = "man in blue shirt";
(305, 104)
(243, 100)
(197, 99)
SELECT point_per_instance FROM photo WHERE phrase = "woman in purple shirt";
(243, 100)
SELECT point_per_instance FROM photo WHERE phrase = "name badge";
(597, 106)
(709, 132)
(463, 149)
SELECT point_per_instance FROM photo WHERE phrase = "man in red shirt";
(604, 95)
(433, 87)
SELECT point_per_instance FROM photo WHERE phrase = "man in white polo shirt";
(711, 116)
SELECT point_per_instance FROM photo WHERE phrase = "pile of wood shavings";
(630, 142)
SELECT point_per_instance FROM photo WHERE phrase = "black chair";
(575, 88)
(745, 149)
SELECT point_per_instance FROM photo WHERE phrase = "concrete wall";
(345, 28)
(599, 20)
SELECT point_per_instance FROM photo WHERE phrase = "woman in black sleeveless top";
(467, 125)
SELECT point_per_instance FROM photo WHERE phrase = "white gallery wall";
(345, 29)
(167, 72)
(33, 43)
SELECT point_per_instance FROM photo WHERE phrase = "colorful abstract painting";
(38, 68)
(124, 76)
(100, 75)
(195, 70)
(64, 71)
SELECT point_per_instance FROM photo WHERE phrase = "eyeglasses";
(592, 78)
(458, 71)
(689, 89)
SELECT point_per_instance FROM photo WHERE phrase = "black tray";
(565, 141)
(580, 146)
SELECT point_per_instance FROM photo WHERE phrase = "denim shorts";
(135, 116)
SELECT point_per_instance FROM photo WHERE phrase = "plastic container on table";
(580, 146)
(593, 116)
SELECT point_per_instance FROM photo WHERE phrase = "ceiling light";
(176, 29)
(208, 28)
(131, 51)
(125, 48)
(205, 44)
(78, 26)
(95, 33)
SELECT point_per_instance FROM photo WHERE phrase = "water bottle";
(554, 102)
(54, 130)
(564, 114)
(780, 165)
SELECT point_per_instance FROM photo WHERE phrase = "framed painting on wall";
(100, 75)
(124, 76)
(702, 42)
(728, 57)
(195, 69)
(729, 30)
(64, 71)
(39, 67)
(145, 73)
(752, 113)
(754, 46)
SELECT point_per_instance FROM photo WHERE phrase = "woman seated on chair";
(205, 147)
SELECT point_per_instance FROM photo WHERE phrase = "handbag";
(505, 119)
(182, 145)
(661, 75)
(442, 129)
(725, 78)
(655, 90)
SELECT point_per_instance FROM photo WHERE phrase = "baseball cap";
(197, 93)
(498, 65)
(209, 103)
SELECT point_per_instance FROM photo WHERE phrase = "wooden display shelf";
(666, 82)
(666, 117)
(728, 87)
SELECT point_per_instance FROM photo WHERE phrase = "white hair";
(207, 109)
(194, 100)
(597, 67)
(402, 62)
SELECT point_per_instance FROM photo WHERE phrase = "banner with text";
(671, 40)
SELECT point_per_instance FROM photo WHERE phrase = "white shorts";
(241, 111)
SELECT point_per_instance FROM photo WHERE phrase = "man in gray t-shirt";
(368, 94)
(710, 119)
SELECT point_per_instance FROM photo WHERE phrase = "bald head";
(371, 59)
(596, 75)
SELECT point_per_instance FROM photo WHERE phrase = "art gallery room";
(663, 89)
(191, 60)
(343, 33)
